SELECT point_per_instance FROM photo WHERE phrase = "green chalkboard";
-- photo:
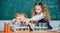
(8, 8)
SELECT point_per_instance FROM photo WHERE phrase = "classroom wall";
(54, 24)
(9, 7)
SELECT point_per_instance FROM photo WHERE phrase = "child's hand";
(14, 20)
(27, 21)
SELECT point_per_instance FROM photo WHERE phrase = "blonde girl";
(40, 14)
(20, 18)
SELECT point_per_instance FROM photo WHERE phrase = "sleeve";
(37, 17)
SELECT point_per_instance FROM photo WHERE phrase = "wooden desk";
(32, 32)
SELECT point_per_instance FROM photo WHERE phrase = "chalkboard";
(8, 8)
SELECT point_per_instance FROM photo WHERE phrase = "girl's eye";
(37, 9)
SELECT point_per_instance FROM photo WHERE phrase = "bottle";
(8, 28)
(5, 28)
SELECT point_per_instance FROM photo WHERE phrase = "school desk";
(32, 32)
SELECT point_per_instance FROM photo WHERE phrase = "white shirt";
(38, 17)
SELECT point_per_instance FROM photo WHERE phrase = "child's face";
(20, 17)
(38, 9)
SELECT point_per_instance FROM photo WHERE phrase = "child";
(20, 18)
(40, 14)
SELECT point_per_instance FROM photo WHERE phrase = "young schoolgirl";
(40, 14)
(20, 18)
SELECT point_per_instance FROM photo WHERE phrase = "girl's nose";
(19, 18)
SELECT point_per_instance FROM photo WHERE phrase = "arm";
(37, 17)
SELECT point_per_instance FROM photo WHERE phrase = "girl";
(40, 14)
(20, 18)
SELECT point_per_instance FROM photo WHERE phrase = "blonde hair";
(20, 13)
(44, 10)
